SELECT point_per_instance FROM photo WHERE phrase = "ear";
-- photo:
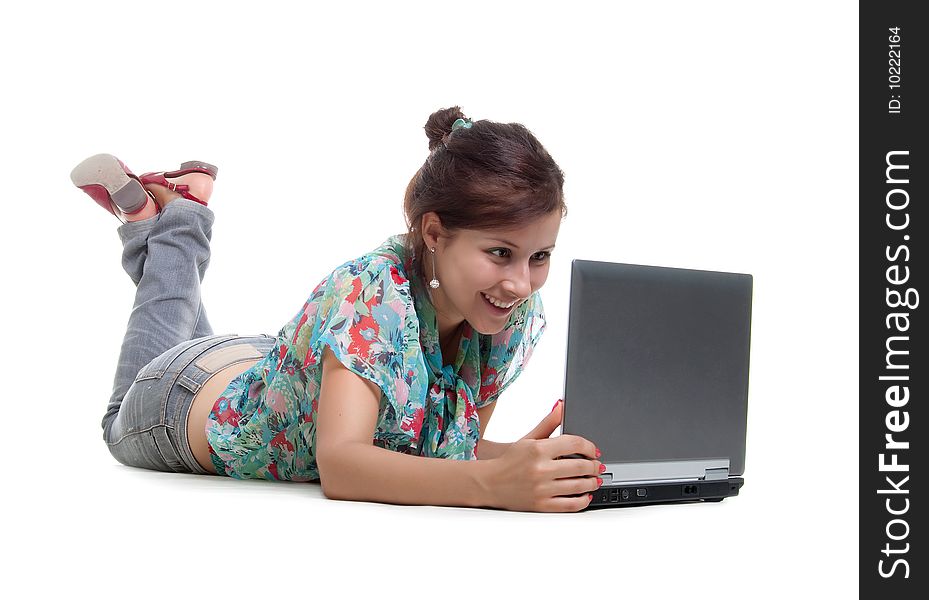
(431, 226)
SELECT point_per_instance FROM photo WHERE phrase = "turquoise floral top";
(382, 326)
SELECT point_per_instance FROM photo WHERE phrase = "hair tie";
(459, 123)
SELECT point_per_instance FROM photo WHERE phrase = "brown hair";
(489, 176)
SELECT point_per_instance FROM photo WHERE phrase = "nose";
(518, 280)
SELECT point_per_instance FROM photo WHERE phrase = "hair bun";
(439, 125)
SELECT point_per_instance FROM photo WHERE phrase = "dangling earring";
(435, 282)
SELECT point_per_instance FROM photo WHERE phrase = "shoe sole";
(195, 166)
(105, 170)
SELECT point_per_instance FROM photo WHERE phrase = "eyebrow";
(517, 247)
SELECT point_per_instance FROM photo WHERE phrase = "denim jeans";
(169, 350)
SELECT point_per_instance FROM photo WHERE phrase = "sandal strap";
(159, 179)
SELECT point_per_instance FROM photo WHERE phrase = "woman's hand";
(531, 476)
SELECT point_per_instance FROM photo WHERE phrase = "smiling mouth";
(504, 308)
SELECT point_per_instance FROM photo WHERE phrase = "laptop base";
(660, 493)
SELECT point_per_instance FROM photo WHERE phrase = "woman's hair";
(489, 176)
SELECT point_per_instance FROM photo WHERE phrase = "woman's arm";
(351, 468)
(528, 476)
(373, 474)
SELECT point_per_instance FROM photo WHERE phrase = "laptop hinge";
(664, 471)
(717, 474)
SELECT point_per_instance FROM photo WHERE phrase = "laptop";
(657, 376)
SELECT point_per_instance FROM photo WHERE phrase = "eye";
(505, 253)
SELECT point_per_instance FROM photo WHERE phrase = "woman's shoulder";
(367, 317)
(389, 258)
(384, 265)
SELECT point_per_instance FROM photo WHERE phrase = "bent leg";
(167, 257)
(134, 237)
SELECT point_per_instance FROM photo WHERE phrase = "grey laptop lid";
(657, 368)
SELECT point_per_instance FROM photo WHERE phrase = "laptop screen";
(657, 362)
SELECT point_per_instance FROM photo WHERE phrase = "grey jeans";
(169, 350)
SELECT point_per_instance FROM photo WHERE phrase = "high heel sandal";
(111, 184)
(191, 166)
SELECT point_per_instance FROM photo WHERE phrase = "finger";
(574, 467)
(548, 425)
(572, 486)
(567, 504)
(569, 444)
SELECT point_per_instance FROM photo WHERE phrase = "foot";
(200, 186)
(147, 212)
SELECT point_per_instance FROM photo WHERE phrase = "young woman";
(392, 366)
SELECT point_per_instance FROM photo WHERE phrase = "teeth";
(497, 303)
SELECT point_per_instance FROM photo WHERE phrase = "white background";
(706, 135)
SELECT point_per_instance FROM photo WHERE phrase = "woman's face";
(507, 265)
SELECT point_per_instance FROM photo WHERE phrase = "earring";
(435, 282)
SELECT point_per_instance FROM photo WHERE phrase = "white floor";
(124, 532)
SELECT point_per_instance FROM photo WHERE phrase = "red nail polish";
(602, 468)
(590, 497)
(599, 482)
(556, 406)
(598, 452)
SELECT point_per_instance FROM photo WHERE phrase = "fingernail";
(556, 405)
(602, 468)
(590, 497)
(598, 452)
(599, 482)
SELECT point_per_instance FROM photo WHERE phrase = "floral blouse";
(382, 326)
